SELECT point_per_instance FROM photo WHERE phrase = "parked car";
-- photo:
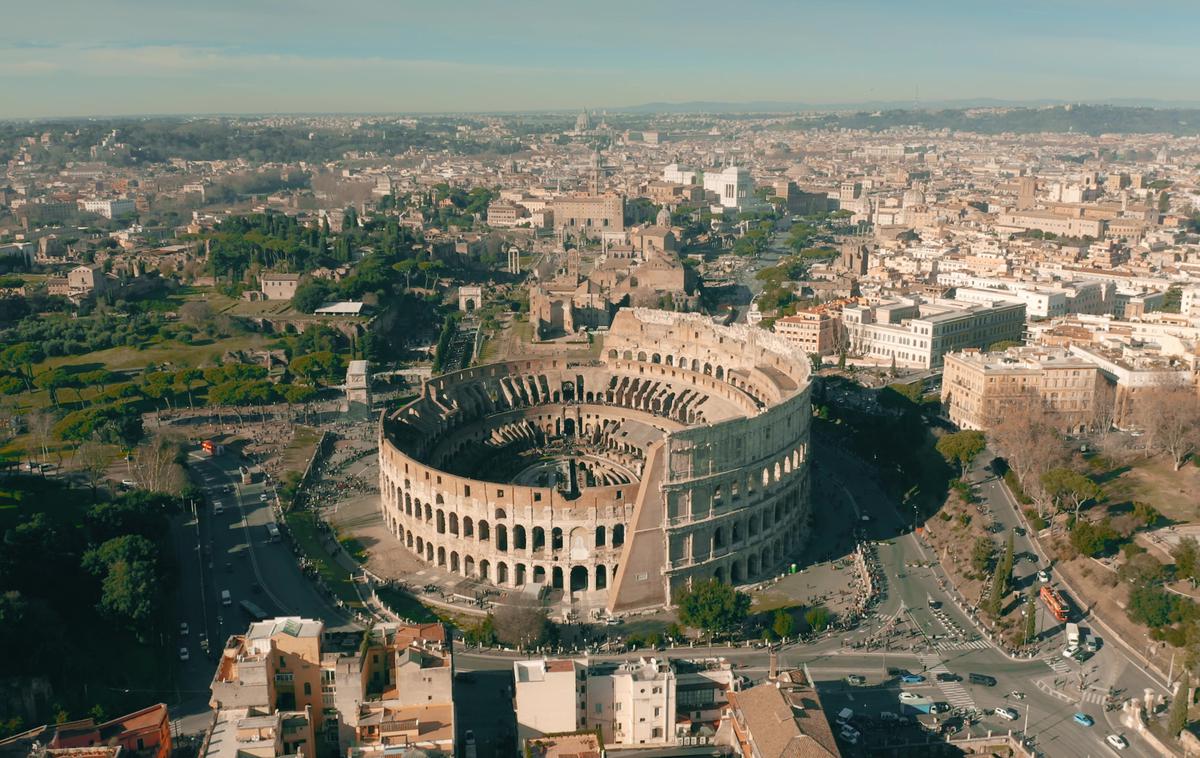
(183, 654)
(856, 680)
(1044, 576)
(1083, 719)
(183, 629)
(226, 598)
(1117, 741)
(1009, 714)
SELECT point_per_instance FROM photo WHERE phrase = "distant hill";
(982, 116)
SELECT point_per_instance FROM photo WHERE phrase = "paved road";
(231, 551)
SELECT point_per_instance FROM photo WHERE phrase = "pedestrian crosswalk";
(962, 645)
(1091, 696)
(956, 695)
(1059, 665)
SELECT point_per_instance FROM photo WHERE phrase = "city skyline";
(131, 57)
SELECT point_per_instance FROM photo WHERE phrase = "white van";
(226, 598)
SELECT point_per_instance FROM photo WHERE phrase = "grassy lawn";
(177, 353)
(311, 541)
(406, 606)
(296, 455)
(1154, 481)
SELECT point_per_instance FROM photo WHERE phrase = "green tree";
(961, 447)
(1186, 555)
(311, 294)
(1177, 718)
(128, 568)
(817, 618)
(713, 606)
(1030, 617)
(1069, 488)
(784, 623)
(1093, 539)
(1150, 606)
(982, 554)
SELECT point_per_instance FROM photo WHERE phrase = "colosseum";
(680, 454)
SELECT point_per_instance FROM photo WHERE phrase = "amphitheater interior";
(679, 455)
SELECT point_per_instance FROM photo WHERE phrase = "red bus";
(1055, 602)
(211, 447)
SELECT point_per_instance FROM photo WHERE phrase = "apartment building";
(918, 335)
(778, 719)
(1051, 222)
(142, 734)
(980, 388)
(589, 214)
(815, 332)
(504, 215)
(390, 687)
(109, 208)
(632, 703)
(86, 280)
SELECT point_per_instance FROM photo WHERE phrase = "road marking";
(956, 695)
(1058, 665)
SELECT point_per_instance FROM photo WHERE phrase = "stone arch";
(642, 356)
(556, 577)
(601, 577)
(556, 538)
(518, 536)
(420, 546)
(539, 574)
(441, 521)
(429, 551)
(441, 556)
(612, 354)
(579, 579)
(600, 536)
(708, 369)
(500, 515)
(469, 565)
(485, 569)
(428, 512)
(736, 572)
(753, 566)
(408, 540)
(501, 572)
(519, 574)
(656, 358)
(618, 535)
(719, 574)
(718, 538)
(720, 372)
(454, 561)
(670, 360)
(468, 527)
(502, 538)
(439, 499)
(485, 531)
(453, 523)
(539, 539)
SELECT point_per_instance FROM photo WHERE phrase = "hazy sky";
(85, 57)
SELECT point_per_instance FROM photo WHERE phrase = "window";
(599, 707)
(617, 706)
(307, 688)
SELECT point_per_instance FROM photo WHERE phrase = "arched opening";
(429, 551)
(539, 538)
(719, 574)
(735, 572)
(420, 546)
(539, 574)
(408, 540)
(519, 574)
(454, 561)
(579, 578)
(454, 523)
(601, 576)
(485, 532)
(441, 521)
(718, 539)
(618, 535)
(568, 427)
(720, 372)
(441, 556)
(502, 538)
(468, 527)
(556, 537)
(518, 537)
(485, 569)
(736, 533)
(556, 578)
(501, 573)
(600, 536)
(469, 566)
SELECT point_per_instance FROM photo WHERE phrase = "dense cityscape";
(753, 430)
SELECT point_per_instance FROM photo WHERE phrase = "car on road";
(908, 697)
(1009, 714)
(1069, 651)
(262, 498)
(183, 629)
(226, 598)
(130, 483)
(183, 654)
(912, 678)
(850, 734)
(1083, 719)
(469, 738)
(1017, 695)
(856, 680)
(1044, 576)
(984, 679)
(948, 676)
(1117, 741)
(1019, 531)
(939, 707)
(218, 508)
(1082, 655)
